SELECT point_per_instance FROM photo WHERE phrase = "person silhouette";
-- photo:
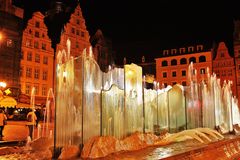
(31, 118)
(3, 118)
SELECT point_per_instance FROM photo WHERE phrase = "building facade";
(10, 45)
(77, 32)
(37, 60)
(224, 67)
(172, 67)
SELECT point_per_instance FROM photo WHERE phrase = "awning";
(23, 105)
(8, 102)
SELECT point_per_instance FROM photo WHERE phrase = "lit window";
(44, 75)
(199, 47)
(28, 72)
(37, 58)
(174, 74)
(183, 73)
(45, 60)
(9, 43)
(36, 73)
(29, 56)
(28, 87)
(44, 90)
(28, 43)
(202, 71)
(164, 74)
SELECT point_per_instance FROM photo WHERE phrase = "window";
(164, 74)
(28, 88)
(165, 84)
(78, 21)
(37, 24)
(36, 73)
(43, 35)
(164, 63)
(202, 59)
(36, 44)
(73, 31)
(28, 43)
(21, 71)
(184, 83)
(44, 90)
(29, 56)
(182, 50)
(44, 46)
(174, 62)
(183, 73)
(222, 54)
(173, 51)
(77, 46)
(9, 43)
(30, 31)
(202, 71)
(36, 86)
(44, 75)
(190, 49)
(165, 52)
(78, 32)
(37, 34)
(199, 48)
(192, 59)
(173, 83)
(183, 61)
(28, 72)
(82, 34)
(174, 74)
(45, 60)
(37, 58)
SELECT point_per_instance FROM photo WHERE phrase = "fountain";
(93, 107)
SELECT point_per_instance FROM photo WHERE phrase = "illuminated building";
(76, 31)
(10, 45)
(37, 59)
(172, 67)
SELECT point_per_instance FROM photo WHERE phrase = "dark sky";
(145, 28)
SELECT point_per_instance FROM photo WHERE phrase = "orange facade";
(37, 62)
(77, 32)
(223, 66)
(172, 67)
(237, 63)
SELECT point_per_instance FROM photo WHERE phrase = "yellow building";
(36, 66)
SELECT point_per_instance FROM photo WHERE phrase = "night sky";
(145, 28)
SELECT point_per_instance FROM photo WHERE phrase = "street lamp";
(3, 84)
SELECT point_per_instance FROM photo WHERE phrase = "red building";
(76, 31)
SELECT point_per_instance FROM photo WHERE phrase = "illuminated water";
(91, 103)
